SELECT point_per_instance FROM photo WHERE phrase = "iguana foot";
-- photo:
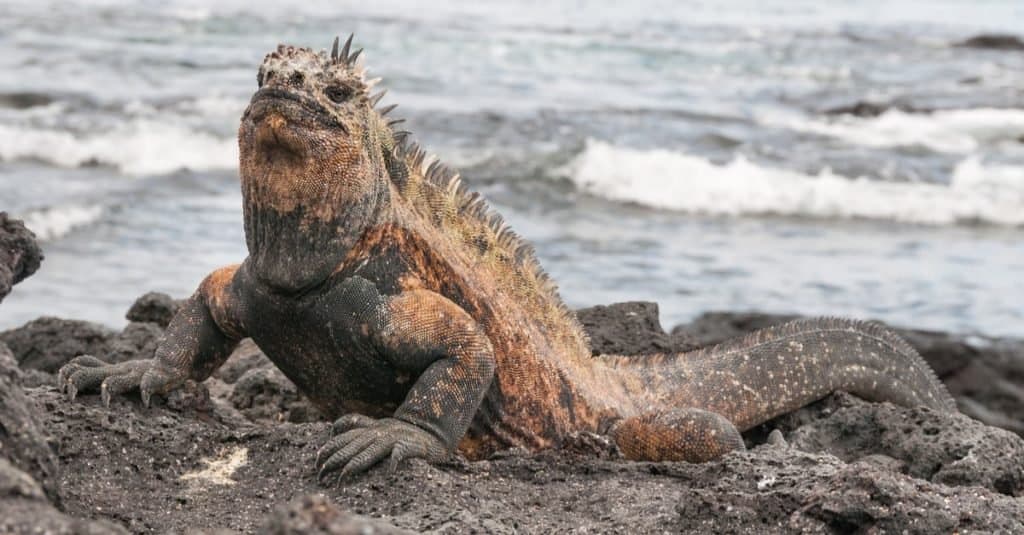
(359, 442)
(691, 435)
(88, 372)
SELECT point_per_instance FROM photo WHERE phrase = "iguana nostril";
(297, 78)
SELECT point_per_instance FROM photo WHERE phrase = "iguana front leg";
(429, 337)
(198, 340)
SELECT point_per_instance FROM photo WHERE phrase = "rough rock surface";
(136, 341)
(24, 509)
(783, 489)
(158, 469)
(29, 474)
(153, 307)
(225, 457)
(316, 514)
(22, 441)
(247, 356)
(265, 394)
(20, 255)
(631, 328)
(48, 343)
(994, 41)
(924, 444)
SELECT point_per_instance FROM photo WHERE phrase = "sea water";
(682, 152)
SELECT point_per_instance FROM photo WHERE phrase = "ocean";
(684, 152)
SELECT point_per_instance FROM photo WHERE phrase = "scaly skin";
(400, 305)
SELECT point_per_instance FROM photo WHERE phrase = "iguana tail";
(754, 378)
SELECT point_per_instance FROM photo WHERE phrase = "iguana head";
(312, 162)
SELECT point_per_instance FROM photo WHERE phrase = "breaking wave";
(946, 131)
(51, 223)
(138, 147)
(669, 180)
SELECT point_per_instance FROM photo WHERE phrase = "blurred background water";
(688, 152)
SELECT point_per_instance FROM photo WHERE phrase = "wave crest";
(139, 147)
(53, 222)
(944, 131)
(675, 181)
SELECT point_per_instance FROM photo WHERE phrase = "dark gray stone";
(20, 255)
(48, 343)
(154, 307)
(631, 328)
(993, 41)
(22, 438)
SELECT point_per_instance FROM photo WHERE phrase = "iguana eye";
(263, 77)
(338, 94)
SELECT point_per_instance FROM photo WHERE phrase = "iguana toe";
(357, 450)
(158, 380)
(83, 379)
(119, 384)
(351, 421)
(76, 365)
(89, 373)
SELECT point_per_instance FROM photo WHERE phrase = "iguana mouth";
(282, 121)
(294, 107)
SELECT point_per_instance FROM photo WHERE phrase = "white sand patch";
(219, 470)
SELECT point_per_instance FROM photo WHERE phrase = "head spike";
(387, 109)
(343, 55)
(375, 98)
(334, 50)
(352, 60)
(393, 122)
(433, 169)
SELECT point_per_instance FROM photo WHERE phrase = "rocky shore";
(236, 452)
(20, 255)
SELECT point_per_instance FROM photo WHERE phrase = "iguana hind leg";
(198, 340)
(691, 435)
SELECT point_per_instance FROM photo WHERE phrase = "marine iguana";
(405, 308)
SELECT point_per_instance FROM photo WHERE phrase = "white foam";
(216, 106)
(53, 222)
(946, 131)
(675, 181)
(137, 147)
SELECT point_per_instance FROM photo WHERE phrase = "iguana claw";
(87, 372)
(366, 442)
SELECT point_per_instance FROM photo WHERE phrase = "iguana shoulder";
(462, 220)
